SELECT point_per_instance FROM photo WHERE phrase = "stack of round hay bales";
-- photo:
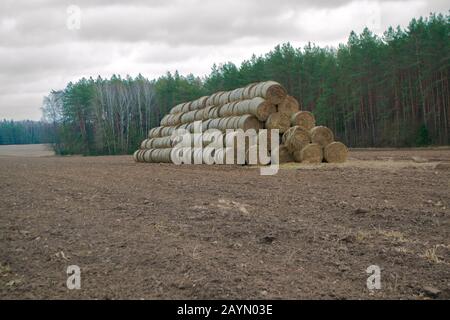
(308, 143)
(262, 105)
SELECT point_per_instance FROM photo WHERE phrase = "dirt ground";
(27, 150)
(158, 231)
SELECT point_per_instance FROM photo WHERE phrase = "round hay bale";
(190, 127)
(286, 134)
(205, 124)
(186, 107)
(144, 144)
(200, 103)
(157, 143)
(335, 152)
(188, 117)
(177, 108)
(270, 136)
(261, 108)
(220, 156)
(311, 153)
(183, 126)
(198, 115)
(147, 156)
(289, 106)
(216, 99)
(222, 123)
(197, 156)
(214, 113)
(241, 107)
(271, 91)
(135, 155)
(278, 121)
(214, 124)
(247, 91)
(209, 101)
(284, 155)
(141, 155)
(232, 122)
(252, 91)
(163, 121)
(224, 98)
(226, 109)
(252, 157)
(161, 155)
(155, 132)
(322, 135)
(304, 119)
(247, 122)
(206, 112)
(149, 143)
(171, 119)
(237, 94)
(297, 139)
(176, 119)
(167, 131)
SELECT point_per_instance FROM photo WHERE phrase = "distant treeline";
(25, 132)
(373, 91)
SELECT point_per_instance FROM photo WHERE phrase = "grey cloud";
(38, 53)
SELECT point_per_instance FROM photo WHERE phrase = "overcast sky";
(43, 44)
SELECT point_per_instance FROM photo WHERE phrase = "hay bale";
(200, 103)
(214, 124)
(284, 155)
(247, 93)
(188, 117)
(289, 106)
(155, 132)
(304, 119)
(147, 156)
(322, 135)
(160, 155)
(214, 112)
(157, 143)
(171, 119)
(278, 121)
(261, 108)
(205, 124)
(186, 107)
(216, 99)
(144, 144)
(252, 157)
(311, 153)
(139, 156)
(177, 108)
(296, 138)
(223, 155)
(205, 112)
(224, 98)
(335, 152)
(167, 131)
(271, 91)
(245, 123)
(135, 155)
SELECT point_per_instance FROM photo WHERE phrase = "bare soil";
(27, 150)
(159, 231)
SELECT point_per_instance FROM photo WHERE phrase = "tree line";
(25, 132)
(372, 91)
